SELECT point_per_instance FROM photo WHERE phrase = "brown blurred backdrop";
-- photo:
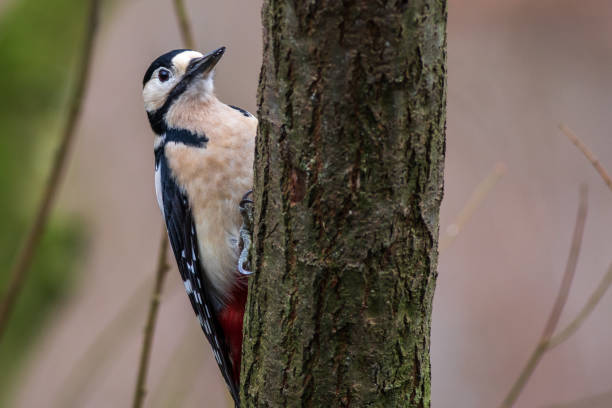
(516, 70)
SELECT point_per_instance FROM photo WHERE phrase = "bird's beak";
(203, 66)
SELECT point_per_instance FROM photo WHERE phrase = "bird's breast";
(215, 179)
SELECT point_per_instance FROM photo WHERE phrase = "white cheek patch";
(181, 61)
(154, 93)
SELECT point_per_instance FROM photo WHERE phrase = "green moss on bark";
(348, 183)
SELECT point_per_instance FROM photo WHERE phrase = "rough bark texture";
(348, 184)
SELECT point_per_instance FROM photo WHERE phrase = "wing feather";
(184, 242)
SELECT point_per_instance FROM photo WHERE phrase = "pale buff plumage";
(215, 178)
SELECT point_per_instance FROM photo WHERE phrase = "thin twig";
(184, 25)
(19, 270)
(571, 328)
(543, 343)
(162, 266)
(160, 275)
(476, 198)
(588, 153)
(570, 267)
(601, 399)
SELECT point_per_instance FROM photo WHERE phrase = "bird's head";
(179, 77)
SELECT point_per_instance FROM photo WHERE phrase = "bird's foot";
(246, 201)
(246, 231)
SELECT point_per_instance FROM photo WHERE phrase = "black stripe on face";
(196, 68)
(156, 118)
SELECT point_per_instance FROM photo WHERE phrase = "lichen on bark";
(348, 184)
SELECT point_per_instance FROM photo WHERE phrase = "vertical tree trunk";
(348, 183)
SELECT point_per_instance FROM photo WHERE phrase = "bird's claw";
(245, 201)
(246, 230)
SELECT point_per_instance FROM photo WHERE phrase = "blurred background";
(517, 69)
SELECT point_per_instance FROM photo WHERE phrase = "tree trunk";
(348, 184)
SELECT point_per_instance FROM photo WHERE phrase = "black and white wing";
(184, 242)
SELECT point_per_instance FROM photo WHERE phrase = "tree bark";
(348, 184)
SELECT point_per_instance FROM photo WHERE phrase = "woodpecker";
(204, 153)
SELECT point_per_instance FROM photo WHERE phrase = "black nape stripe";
(186, 137)
(182, 136)
(245, 113)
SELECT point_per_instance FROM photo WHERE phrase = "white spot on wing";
(188, 287)
(217, 357)
(207, 311)
(206, 327)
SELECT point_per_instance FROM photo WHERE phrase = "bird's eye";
(163, 75)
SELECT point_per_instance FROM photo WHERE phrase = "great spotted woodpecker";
(203, 167)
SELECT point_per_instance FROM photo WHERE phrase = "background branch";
(584, 313)
(543, 344)
(588, 154)
(548, 341)
(162, 269)
(570, 267)
(162, 265)
(476, 198)
(186, 33)
(19, 270)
